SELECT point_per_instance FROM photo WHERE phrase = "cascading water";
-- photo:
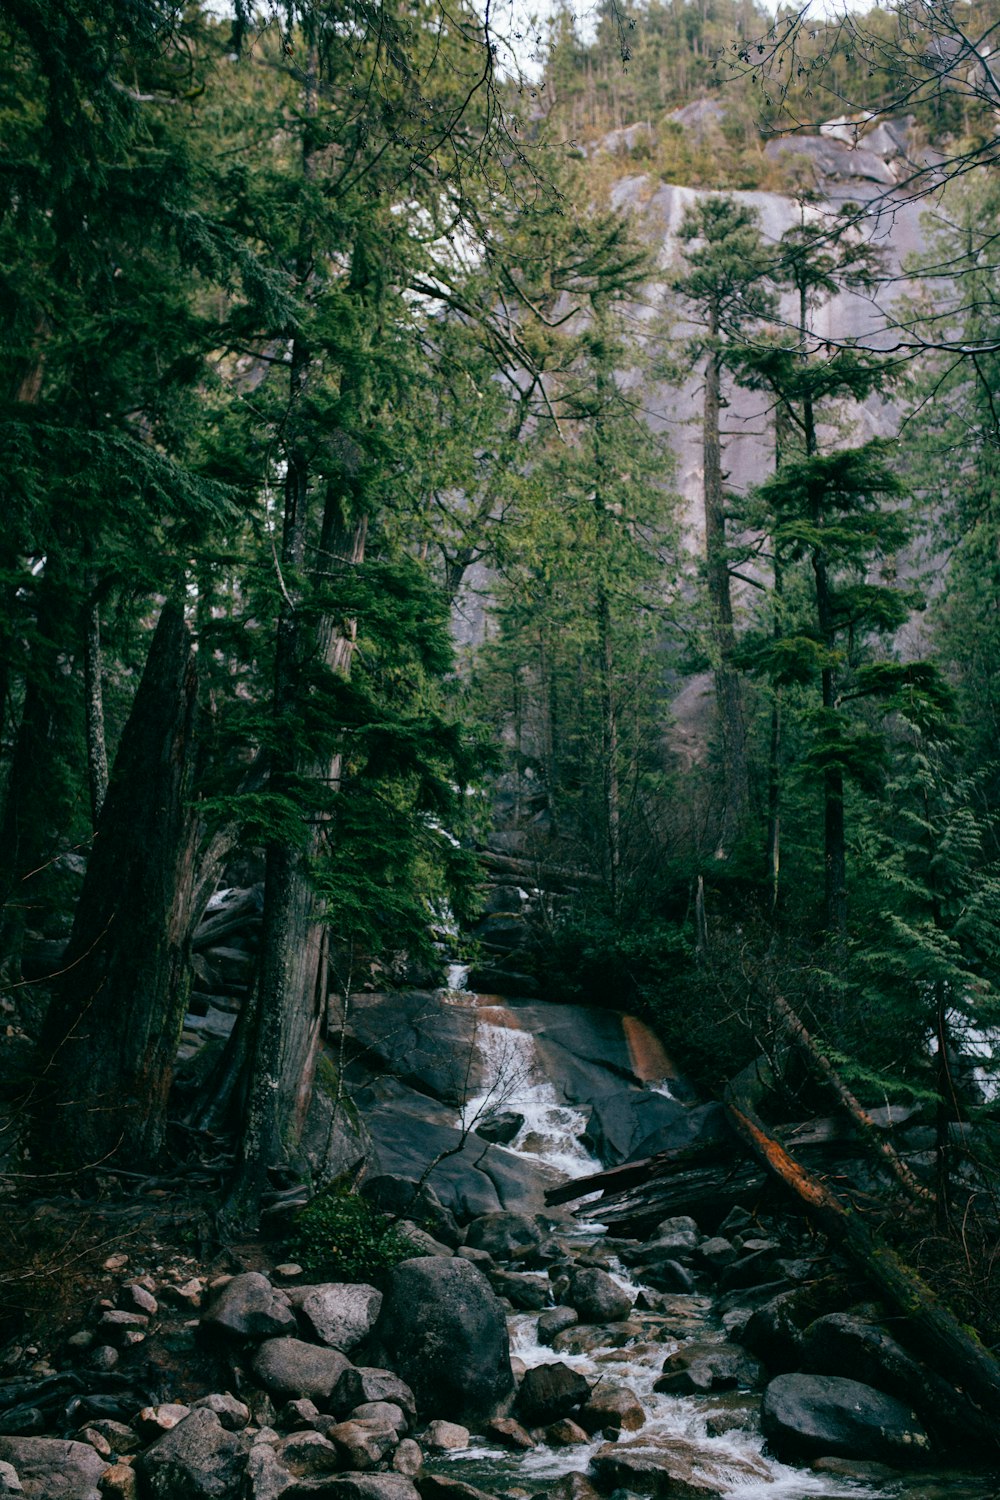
(633, 1356)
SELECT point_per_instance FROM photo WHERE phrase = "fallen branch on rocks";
(821, 1065)
(955, 1350)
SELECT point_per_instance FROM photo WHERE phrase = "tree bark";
(105, 1059)
(97, 750)
(728, 688)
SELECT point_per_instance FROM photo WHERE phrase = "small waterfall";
(513, 1082)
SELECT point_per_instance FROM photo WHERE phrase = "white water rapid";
(728, 1451)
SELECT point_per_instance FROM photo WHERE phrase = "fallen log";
(956, 1351)
(703, 1193)
(632, 1173)
(796, 1032)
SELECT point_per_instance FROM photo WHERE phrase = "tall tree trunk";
(105, 1059)
(728, 687)
(97, 751)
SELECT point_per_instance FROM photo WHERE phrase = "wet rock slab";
(671, 1467)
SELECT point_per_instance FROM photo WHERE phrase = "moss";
(341, 1235)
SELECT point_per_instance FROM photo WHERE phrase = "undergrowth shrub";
(342, 1235)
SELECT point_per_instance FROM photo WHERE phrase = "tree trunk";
(97, 750)
(728, 687)
(821, 1065)
(954, 1350)
(105, 1060)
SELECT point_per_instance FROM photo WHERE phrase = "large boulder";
(671, 1468)
(504, 1235)
(249, 1307)
(340, 1313)
(549, 1392)
(807, 1416)
(597, 1297)
(443, 1329)
(50, 1469)
(196, 1460)
(697, 1369)
(287, 1368)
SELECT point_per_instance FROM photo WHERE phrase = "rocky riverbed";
(532, 1358)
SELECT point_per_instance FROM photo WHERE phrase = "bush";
(343, 1236)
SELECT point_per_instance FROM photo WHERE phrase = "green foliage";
(339, 1234)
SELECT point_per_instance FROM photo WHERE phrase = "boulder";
(408, 1459)
(361, 1385)
(362, 1445)
(807, 1416)
(443, 1329)
(340, 1314)
(597, 1297)
(510, 1434)
(839, 1344)
(265, 1478)
(249, 1307)
(442, 1487)
(382, 1413)
(51, 1469)
(289, 1367)
(504, 1235)
(612, 1409)
(555, 1321)
(549, 1392)
(671, 1468)
(305, 1454)
(231, 1413)
(369, 1487)
(500, 1128)
(196, 1460)
(446, 1437)
(565, 1434)
(697, 1369)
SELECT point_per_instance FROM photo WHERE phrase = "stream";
(721, 1428)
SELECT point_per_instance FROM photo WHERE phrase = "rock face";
(806, 1416)
(443, 1329)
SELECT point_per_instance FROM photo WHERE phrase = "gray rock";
(554, 1321)
(341, 1314)
(408, 1459)
(361, 1384)
(305, 1454)
(443, 1329)
(717, 1252)
(612, 1409)
(697, 1369)
(526, 1292)
(369, 1487)
(839, 1344)
(382, 1413)
(302, 1413)
(668, 1276)
(500, 1128)
(503, 1235)
(233, 1414)
(807, 1416)
(597, 1298)
(445, 1437)
(362, 1445)
(289, 1367)
(265, 1478)
(51, 1469)
(670, 1468)
(10, 1484)
(196, 1460)
(249, 1307)
(443, 1487)
(549, 1392)
(510, 1434)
